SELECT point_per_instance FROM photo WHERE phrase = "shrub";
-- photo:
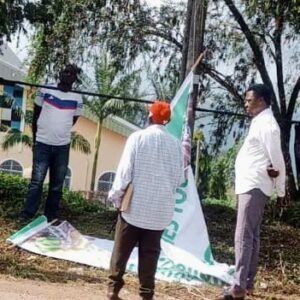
(13, 190)
(12, 193)
(291, 215)
(75, 203)
(221, 177)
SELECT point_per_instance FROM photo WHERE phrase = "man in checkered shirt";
(152, 162)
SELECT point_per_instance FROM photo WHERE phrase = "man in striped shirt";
(55, 112)
(152, 162)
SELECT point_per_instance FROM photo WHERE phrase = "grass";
(278, 276)
(279, 272)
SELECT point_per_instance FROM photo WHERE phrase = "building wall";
(11, 69)
(112, 145)
(12, 109)
(111, 148)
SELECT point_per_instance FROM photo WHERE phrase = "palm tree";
(14, 137)
(110, 81)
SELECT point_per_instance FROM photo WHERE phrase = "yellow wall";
(112, 145)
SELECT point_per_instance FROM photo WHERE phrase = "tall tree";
(246, 40)
(77, 29)
(260, 41)
(110, 81)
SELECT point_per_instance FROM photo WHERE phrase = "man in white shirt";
(55, 112)
(259, 167)
(152, 162)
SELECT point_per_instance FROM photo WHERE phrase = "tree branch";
(258, 55)
(220, 78)
(293, 99)
(165, 36)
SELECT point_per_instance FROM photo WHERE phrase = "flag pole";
(192, 119)
(198, 60)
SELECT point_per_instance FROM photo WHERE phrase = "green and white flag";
(185, 241)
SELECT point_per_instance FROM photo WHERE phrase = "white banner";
(65, 242)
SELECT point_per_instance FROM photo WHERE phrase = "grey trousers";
(247, 237)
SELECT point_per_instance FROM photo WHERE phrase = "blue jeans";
(56, 159)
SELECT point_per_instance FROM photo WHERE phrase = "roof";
(10, 64)
(114, 123)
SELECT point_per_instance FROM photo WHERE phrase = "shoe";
(250, 292)
(232, 294)
(51, 217)
(24, 218)
(112, 296)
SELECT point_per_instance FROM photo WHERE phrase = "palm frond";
(14, 137)
(4, 128)
(80, 143)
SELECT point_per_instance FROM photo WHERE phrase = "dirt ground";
(23, 289)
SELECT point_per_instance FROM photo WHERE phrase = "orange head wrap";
(160, 112)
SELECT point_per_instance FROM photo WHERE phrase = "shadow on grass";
(220, 221)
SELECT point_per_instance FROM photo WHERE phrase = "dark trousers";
(126, 238)
(56, 159)
(247, 237)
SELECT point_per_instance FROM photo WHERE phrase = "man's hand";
(272, 172)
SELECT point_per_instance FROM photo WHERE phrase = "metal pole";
(197, 162)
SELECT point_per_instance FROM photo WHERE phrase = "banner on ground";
(186, 253)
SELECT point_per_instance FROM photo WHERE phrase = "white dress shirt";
(153, 162)
(261, 148)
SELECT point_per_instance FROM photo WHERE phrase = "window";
(105, 182)
(67, 182)
(12, 167)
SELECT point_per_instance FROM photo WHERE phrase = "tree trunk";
(297, 154)
(196, 33)
(96, 155)
(185, 45)
(291, 188)
(195, 48)
(257, 54)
